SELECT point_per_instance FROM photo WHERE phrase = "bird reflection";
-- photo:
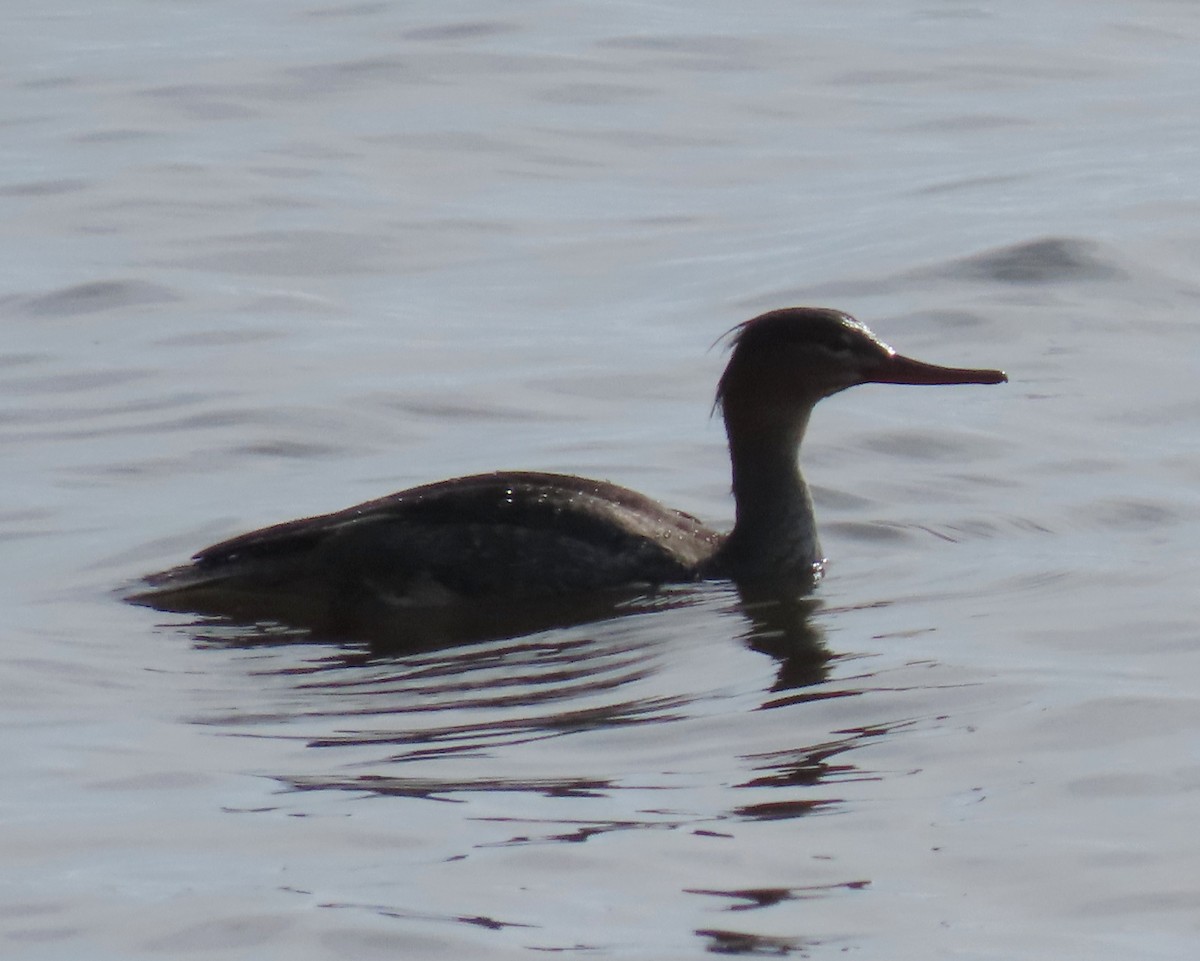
(387, 631)
(781, 626)
(778, 623)
(430, 707)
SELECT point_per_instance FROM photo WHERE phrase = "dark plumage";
(512, 535)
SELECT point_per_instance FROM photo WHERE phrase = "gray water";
(263, 261)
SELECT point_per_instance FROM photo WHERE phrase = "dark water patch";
(96, 296)
(59, 82)
(1023, 525)
(811, 766)
(1156, 415)
(207, 420)
(810, 694)
(23, 515)
(1046, 581)
(829, 498)
(463, 411)
(595, 94)
(495, 676)
(461, 226)
(232, 337)
(62, 414)
(324, 153)
(928, 445)
(449, 739)
(74, 383)
(889, 77)
(706, 44)
(447, 790)
(459, 670)
(953, 533)
(23, 524)
(750, 899)
(441, 141)
(785, 810)
(466, 30)
(427, 742)
(44, 188)
(1050, 260)
(955, 320)
(401, 631)
(578, 831)
(22, 360)
(179, 205)
(667, 221)
(1013, 589)
(287, 303)
(208, 101)
(1001, 73)
(695, 53)
(755, 945)
(351, 74)
(387, 911)
(1040, 264)
(967, 183)
(1127, 514)
(292, 450)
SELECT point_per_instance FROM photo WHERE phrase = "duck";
(525, 536)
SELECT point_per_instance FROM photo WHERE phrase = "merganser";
(519, 535)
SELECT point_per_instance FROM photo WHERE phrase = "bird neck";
(775, 534)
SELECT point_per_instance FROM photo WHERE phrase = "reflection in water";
(565, 735)
(389, 911)
(753, 898)
(781, 626)
(724, 941)
(475, 700)
(389, 630)
(778, 625)
(738, 942)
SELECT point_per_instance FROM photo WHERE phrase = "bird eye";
(839, 343)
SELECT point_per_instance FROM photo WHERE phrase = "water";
(266, 263)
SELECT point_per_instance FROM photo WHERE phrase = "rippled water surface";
(267, 262)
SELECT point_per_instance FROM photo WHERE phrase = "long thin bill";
(899, 369)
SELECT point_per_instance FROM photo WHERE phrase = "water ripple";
(95, 296)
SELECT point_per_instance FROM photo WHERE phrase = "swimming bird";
(526, 536)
